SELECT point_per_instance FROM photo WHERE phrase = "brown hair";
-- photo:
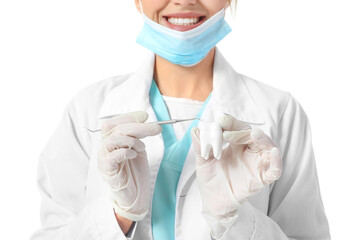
(232, 4)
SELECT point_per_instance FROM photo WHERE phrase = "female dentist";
(243, 169)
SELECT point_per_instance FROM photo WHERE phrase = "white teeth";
(183, 21)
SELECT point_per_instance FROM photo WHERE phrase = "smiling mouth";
(184, 21)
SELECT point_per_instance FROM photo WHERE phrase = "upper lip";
(184, 15)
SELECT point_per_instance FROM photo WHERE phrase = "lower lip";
(183, 28)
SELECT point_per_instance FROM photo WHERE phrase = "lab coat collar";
(230, 92)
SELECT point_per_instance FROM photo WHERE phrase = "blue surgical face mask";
(184, 48)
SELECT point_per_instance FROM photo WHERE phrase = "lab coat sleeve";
(295, 206)
(62, 176)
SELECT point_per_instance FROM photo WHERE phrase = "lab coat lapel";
(232, 94)
(133, 94)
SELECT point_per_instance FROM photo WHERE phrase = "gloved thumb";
(274, 171)
(229, 123)
(131, 117)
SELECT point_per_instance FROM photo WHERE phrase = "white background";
(49, 50)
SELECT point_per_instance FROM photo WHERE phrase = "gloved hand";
(250, 161)
(123, 164)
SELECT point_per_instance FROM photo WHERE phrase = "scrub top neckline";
(162, 114)
(182, 100)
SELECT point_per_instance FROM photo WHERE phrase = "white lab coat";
(75, 199)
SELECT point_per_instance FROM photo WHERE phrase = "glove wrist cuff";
(128, 215)
(219, 225)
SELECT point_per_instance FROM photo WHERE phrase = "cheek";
(153, 7)
(214, 6)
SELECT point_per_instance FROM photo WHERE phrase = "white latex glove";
(251, 161)
(123, 164)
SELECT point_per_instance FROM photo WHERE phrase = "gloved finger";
(119, 178)
(275, 168)
(238, 137)
(131, 117)
(229, 123)
(122, 154)
(259, 140)
(137, 130)
(109, 163)
(116, 142)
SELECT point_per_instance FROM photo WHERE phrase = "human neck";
(194, 82)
